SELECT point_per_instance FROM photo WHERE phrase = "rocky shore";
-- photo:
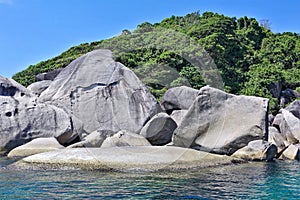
(130, 158)
(97, 114)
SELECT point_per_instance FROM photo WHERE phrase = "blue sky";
(36, 30)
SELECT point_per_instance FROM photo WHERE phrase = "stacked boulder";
(285, 132)
(22, 118)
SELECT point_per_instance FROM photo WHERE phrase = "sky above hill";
(36, 30)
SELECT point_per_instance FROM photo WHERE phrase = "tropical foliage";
(178, 51)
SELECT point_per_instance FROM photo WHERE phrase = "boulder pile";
(97, 103)
(284, 132)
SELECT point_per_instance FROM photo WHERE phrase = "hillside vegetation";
(248, 56)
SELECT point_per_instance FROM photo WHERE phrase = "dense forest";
(194, 50)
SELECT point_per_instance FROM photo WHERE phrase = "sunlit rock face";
(23, 119)
(101, 94)
(221, 123)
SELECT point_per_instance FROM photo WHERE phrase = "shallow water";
(276, 180)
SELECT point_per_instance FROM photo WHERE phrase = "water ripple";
(246, 181)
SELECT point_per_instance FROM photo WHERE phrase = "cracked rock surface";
(101, 94)
(23, 119)
(221, 123)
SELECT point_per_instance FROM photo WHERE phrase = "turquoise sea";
(275, 180)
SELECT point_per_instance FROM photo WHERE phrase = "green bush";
(248, 56)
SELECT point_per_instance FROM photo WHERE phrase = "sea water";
(257, 180)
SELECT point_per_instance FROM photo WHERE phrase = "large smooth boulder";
(159, 130)
(125, 138)
(38, 87)
(277, 120)
(222, 123)
(177, 115)
(23, 119)
(39, 145)
(48, 75)
(257, 150)
(10, 88)
(294, 108)
(290, 127)
(277, 139)
(150, 158)
(101, 94)
(271, 118)
(22, 124)
(292, 152)
(94, 139)
(178, 98)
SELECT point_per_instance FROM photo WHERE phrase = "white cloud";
(6, 2)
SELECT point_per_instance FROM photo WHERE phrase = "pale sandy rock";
(125, 138)
(35, 146)
(257, 150)
(291, 153)
(153, 158)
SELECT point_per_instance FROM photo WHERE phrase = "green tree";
(247, 53)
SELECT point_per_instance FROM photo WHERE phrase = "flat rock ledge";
(39, 145)
(148, 158)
